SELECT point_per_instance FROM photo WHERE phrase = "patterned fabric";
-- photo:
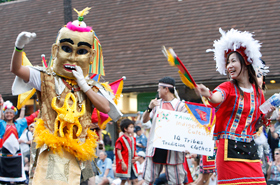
(237, 115)
(127, 153)
(174, 173)
(236, 172)
(195, 172)
(11, 166)
(207, 164)
(48, 115)
(275, 174)
(97, 67)
(10, 129)
(20, 125)
(48, 92)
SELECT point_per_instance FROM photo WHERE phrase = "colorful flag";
(117, 88)
(174, 60)
(204, 115)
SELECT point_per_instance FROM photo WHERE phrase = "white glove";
(24, 38)
(81, 79)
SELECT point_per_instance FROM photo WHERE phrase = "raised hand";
(153, 103)
(24, 38)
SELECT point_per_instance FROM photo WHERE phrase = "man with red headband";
(156, 158)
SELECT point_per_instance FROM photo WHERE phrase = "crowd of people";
(246, 142)
(134, 135)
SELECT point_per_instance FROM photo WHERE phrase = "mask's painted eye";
(82, 51)
(67, 49)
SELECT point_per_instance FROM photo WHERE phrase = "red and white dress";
(127, 145)
(237, 160)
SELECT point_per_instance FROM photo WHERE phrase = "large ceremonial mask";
(64, 143)
(72, 48)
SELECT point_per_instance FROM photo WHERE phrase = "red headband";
(241, 51)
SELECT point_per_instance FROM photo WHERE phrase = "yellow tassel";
(169, 56)
(83, 12)
(185, 80)
(107, 87)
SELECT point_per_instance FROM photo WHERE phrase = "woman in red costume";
(11, 162)
(237, 108)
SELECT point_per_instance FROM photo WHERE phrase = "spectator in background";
(273, 171)
(141, 140)
(105, 166)
(94, 127)
(274, 133)
(140, 166)
(107, 140)
(25, 140)
(27, 167)
(11, 162)
(195, 167)
(263, 149)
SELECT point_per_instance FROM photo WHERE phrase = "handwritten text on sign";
(177, 131)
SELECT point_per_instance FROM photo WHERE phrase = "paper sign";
(178, 131)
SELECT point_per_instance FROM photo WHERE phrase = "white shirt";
(140, 168)
(35, 78)
(23, 146)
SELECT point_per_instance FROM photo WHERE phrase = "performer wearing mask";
(65, 144)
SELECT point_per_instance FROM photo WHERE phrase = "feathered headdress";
(9, 106)
(241, 42)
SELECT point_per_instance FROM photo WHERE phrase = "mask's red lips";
(69, 67)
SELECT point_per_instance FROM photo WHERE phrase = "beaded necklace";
(70, 86)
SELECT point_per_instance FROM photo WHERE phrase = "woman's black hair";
(263, 84)
(251, 73)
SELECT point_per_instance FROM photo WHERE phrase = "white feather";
(8, 104)
(234, 39)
